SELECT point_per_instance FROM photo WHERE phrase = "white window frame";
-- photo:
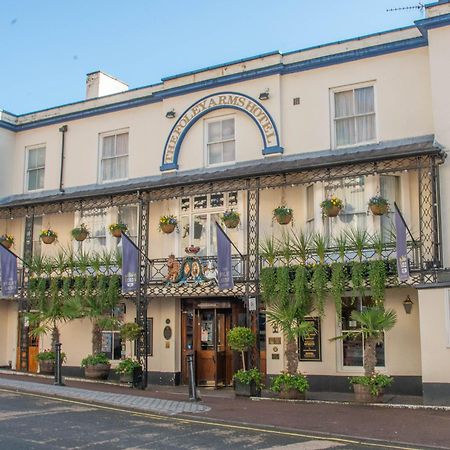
(345, 88)
(206, 142)
(101, 136)
(27, 152)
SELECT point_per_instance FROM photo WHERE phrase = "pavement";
(402, 426)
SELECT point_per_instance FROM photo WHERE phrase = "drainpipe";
(63, 130)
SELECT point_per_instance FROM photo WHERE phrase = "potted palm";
(331, 207)
(167, 224)
(290, 386)
(116, 229)
(80, 233)
(246, 382)
(7, 240)
(96, 366)
(378, 205)
(48, 236)
(230, 218)
(282, 214)
(126, 369)
(374, 322)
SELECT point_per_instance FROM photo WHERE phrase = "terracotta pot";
(379, 210)
(6, 244)
(363, 395)
(231, 223)
(116, 233)
(80, 237)
(97, 371)
(47, 367)
(283, 220)
(333, 211)
(292, 394)
(48, 239)
(167, 228)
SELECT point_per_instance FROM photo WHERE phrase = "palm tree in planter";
(374, 322)
(246, 382)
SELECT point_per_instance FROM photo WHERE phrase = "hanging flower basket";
(230, 218)
(167, 224)
(378, 205)
(48, 236)
(283, 214)
(116, 229)
(80, 233)
(331, 207)
(7, 240)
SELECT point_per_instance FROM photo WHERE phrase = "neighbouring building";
(355, 118)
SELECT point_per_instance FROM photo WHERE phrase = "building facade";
(355, 118)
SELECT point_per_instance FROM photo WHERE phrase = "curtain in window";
(115, 157)
(95, 220)
(36, 168)
(390, 190)
(128, 216)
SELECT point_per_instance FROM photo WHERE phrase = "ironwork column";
(24, 304)
(142, 299)
(252, 273)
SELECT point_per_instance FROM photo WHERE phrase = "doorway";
(27, 347)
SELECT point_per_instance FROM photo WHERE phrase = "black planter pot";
(246, 390)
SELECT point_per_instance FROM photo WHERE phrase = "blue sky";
(48, 46)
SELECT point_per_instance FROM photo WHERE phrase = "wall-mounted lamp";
(170, 114)
(264, 95)
(408, 304)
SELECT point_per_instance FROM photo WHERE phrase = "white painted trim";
(447, 317)
(25, 181)
(100, 152)
(207, 121)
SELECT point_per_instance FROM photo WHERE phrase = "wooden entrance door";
(27, 348)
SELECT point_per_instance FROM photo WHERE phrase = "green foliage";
(287, 381)
(230, 214)
(338, 281)
(268, 249)
(241, 339)
(268, 281)
(247, 376)
(282, 211)
(118, 227)
(376, 382)
(341, 243)
(301, 243)
(358, 278)
(283, 286)
(126, 366)
(373, 322)
(80, 230)
(93, 360)
(302, 292)
(378, 200)
(286, 248)
(360, 240)
(377, 281)
(49, 355)
(130, 331)
(319, 285)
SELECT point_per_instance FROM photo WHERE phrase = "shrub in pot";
(167, 224)
(126, 369)
(48, 236)
(116, 229)
(7, 240)
(46, 360)
(283, 215)
(290, 386)
(96, 366)
(331, 207)
(230, 218)
(80, 233)
(248, 383)
(370, 388)
(378, 205)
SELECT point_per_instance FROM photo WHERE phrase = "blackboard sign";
(310, 346)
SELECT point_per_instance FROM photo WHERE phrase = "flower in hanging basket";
(167, 224)
(332, 206)
(48, 236)
(116, 229)
(282, 214)
(378, 205)
(80, 233)
(7, 240)
(192, 250)
(230, 218)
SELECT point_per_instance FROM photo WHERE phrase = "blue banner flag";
(224, 272)
(8, 271)
(402, 256)
(130, 265)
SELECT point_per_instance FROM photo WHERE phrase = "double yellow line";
(214, 424)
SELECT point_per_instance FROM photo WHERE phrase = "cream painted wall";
(8, 332)
(7, 161)
(435, 335)
(403, 356)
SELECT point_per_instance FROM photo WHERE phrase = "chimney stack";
(99, 84)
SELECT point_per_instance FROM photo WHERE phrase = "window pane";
(122, 144)
(121, 167)
(228, 129)
(345, 131)
(365, 128)
(343, 104)
(117, 345)
(310, 202)
(107, 169)
(40, 157)
(32, 180)
(215, 153)
(107, 344)
(228, 151)
(108, 146)
(352, 351)
(128, 216)
(214, 131)
(200, 233)
(40, 179)
(364, 100)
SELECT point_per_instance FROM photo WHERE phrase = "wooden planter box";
(363, 395)
(246, 390)
(97, 372)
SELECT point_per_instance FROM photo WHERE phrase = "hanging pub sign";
(8, 273)
(311, 345)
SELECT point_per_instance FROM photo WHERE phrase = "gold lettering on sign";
(265, 123)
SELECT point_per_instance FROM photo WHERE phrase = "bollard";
(193, 394)
(58, 365)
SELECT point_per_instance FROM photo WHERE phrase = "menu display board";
(310, 348)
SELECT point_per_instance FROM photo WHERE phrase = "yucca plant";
(377, 271)
(269, 249)
(301, 243)
(286, 249)
(319, 279)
